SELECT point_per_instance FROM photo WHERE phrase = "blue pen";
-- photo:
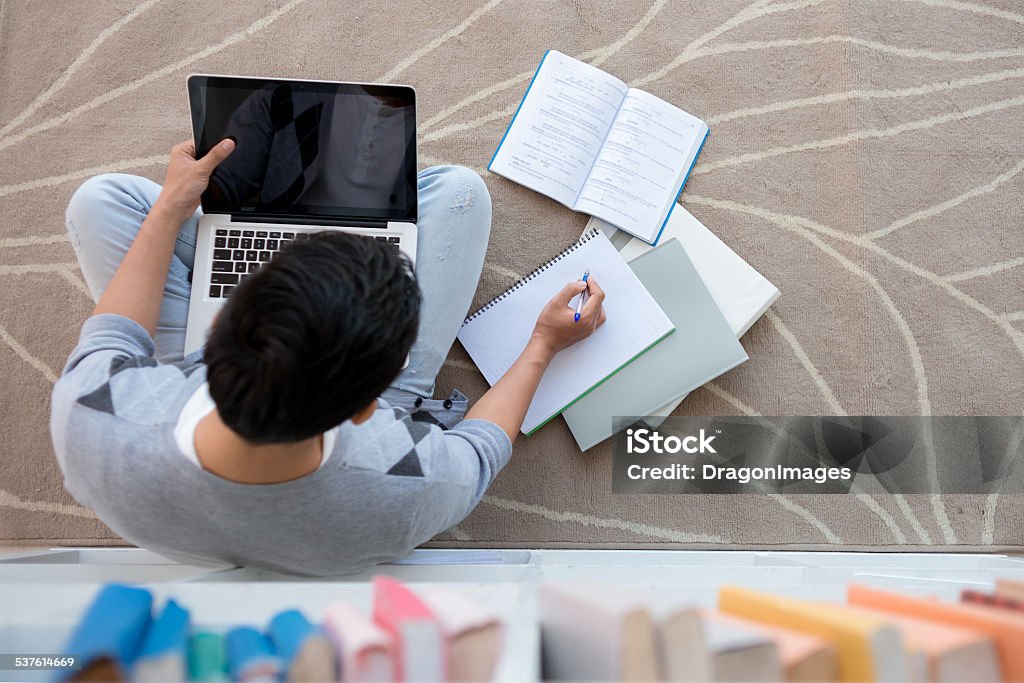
(583, 298)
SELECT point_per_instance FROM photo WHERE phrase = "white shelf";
(44, 593)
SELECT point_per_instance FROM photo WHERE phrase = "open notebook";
(587, 140)
(495, 335)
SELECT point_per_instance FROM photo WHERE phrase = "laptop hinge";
(313, 220)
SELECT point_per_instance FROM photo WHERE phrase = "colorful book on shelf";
(1005, 628)
(682, 642)
(740, 653)
(164, 652)
(803, 657)
(590, 142)
(1010, 588)
(306, 653)
(976, 597)
(207, 660)
(473, 634)
(365, 651)
(250, 655)
(869, 648)
(589, 632)
(110, 633)
(420, 645)
(951, 654)
(497, 333)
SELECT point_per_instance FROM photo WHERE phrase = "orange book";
(869, 648)
(951, 653)
(1005, 629)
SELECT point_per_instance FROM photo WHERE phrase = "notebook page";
(642, 165)
(497, 334)
(558, 129)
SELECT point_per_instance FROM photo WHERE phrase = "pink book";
(365, 651)
(474, 634)
(419, 641)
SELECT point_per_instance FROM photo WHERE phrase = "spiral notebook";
(496, 334)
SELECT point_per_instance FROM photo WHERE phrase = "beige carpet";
(866, 157)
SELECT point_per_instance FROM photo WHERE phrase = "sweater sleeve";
(107, 344)
(459, 465)
(110, 335)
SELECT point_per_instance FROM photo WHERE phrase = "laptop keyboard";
(238, 253)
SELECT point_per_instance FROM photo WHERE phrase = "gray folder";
(702, 348)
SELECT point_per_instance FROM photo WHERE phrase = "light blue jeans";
(454, 223)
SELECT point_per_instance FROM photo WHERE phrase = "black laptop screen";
(308, 149)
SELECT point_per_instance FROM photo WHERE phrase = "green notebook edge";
(608, 377)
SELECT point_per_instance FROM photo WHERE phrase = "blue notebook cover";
(502, 141)
(680, 193)
(113, 627)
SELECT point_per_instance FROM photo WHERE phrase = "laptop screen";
(308, 148)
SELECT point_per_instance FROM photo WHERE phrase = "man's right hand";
(187, 179)
(508, 401)
(557, 328)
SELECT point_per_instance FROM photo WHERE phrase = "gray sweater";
(390, 484)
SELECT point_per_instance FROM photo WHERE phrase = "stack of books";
(427, 635)
(600, 633)
(677, 298)
(712, 296)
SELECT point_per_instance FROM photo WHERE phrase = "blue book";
(165, 647)
(108, 637)
(305, 651)
(587, 140)
(250, 655)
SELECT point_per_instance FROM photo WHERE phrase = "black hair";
(312, 338)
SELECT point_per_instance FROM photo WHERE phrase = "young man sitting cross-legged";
(295, 441)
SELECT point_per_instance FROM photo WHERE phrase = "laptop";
(309, 156)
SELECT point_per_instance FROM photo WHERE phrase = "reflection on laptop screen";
(307, 148)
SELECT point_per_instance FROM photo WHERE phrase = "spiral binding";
(586, 237)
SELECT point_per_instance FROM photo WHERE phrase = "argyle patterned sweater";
(391, 483)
